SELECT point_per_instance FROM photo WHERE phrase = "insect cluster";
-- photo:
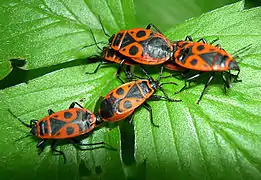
(136, 47)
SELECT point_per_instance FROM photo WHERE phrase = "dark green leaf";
(51, 32)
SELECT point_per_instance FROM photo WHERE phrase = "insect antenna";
(236, 53)
(246, 48)
(103, 29)
(27, 125)
(95, 42)
(23, 137)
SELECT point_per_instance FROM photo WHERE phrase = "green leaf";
(218, 139)
(51, 32)
(31, 101)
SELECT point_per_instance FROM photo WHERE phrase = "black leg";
(203, 40)
(73, 105)
(40, 146)
(98, 67)
(147, 106)
(160, 74)
(146, 73)
(188, 80)
(236, 77)
(205, 87)
(128, 73)
(56, 152)
(225, 86)
(188, 38)
(50, 111)
(215, 40)
(155, 27)
(131, 118)
(226, 83)
(168, 83)
(119, 71)
(155, 97)
(79, 145)
(218, 46)
(167, 97)
(138, 77)
(162, 90)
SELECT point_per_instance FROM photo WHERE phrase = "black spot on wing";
(134, 92)
(69, 130)
(56, 125)
(200, 47)
(67, 114)
(119, 91)
(194, 62)
(133, 50)
(141, 33)
(127, 104)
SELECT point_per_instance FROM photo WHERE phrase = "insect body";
(122, 101)
(135, 46)
(66, 124)
(202, 57)
(142, 45)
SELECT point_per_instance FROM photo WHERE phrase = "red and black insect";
(122, 101)
(143, 46)
(136, 46)
(203, 57)
(66, 124)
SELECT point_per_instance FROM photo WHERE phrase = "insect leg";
(73, 105)
(205, 87)
(57, 152)
(155, 27)
(148, 107)
(50, 111)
